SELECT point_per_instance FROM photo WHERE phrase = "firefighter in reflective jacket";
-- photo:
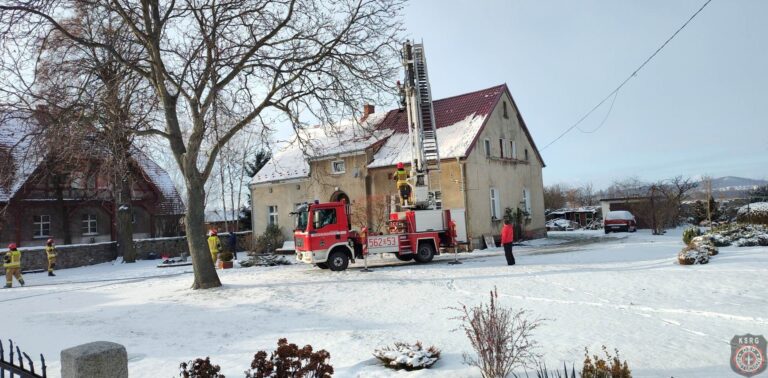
(12, 265)
(50, 252)
(402, 184)
(214, 244)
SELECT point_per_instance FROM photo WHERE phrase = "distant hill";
(730, 186)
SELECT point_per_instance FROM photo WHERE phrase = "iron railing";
(21, 371)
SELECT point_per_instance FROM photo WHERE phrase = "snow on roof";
(219, 215)
(453, 141)
(23, 160)
(349, 136)
(170, 203)
(459, 120)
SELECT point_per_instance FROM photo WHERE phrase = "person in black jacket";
(232, 241)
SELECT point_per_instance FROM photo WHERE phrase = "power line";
(633, 74)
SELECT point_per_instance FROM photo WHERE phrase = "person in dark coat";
(507, 237)
(232, 241)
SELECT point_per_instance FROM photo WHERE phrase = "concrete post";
(100, 359)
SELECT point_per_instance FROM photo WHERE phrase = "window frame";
(513, 143)
(527, 200)
(40, 226)
(272, 215)
(88, 220)
(487, 145)
(495, 202)
(343, 165)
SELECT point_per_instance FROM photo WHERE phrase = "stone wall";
(77, 255)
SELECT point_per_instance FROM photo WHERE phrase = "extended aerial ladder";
(422, 130)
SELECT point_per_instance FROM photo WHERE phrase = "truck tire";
(338, 261)
(606, 231)
(424, 253)
(322, 265)
(404, 257)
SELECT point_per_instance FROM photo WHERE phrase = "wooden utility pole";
(709, 196)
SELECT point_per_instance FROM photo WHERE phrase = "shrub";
(754, 213)
(226, 256)
(288, 361)
(200, 368)
(271, 239)
(610, 367)
(407, 356)
(690, 233)
(690, 256)
(543, 372)
(501, 337)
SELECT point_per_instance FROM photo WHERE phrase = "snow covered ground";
(621, 290)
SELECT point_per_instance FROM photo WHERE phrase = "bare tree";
(554, 197)
(252, 58)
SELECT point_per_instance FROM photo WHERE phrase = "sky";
(700, 107)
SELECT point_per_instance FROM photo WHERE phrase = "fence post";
(100, 359)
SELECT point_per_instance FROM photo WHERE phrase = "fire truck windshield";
(302, 215)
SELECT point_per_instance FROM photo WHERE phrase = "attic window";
(506, 114)
(338, 166)
(526, 154)
(487, 144)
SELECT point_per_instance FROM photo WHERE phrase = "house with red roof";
(490, 166)
(74, 204)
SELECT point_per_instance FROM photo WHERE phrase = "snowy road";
(623, 290)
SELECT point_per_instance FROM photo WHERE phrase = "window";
(42, 226)
(487, 148)
(272, 215)
(506, 115)
(338, 166)
(505, 148)
(89, 224)
(526, 154)
(495, 204)
(527, 200)
(324, 217)
(77, 180)
(514, 149)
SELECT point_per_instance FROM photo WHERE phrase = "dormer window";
(338, 167)
(504, 105)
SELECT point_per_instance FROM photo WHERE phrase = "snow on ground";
(622, 290)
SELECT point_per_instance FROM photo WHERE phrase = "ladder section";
(426, 111)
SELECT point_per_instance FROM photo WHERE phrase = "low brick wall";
(77, 255)
(69, 256)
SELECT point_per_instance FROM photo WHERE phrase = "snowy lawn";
(622, 290)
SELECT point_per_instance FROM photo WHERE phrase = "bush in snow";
(756, 213)
(690, 233)
(271, 239)
(264, 260)
(610, 367)
(690, 256)
(290, 361)
(407, 356)
(200, 368)
(501, 337)
(704, 243)
(741, 235)
(543, 372)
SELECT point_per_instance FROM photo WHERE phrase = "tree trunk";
(63, 209)
(205, 273)
(124, 221)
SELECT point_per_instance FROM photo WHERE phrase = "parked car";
(561, 225)
(620, 220)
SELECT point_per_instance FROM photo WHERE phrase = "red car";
(619, 221)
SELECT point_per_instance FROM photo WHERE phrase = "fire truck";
(419, 228)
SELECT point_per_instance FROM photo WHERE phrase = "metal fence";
(19, 370)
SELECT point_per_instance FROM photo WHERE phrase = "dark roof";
(451, 110)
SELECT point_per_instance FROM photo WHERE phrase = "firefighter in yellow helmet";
(214, 244)
(50, 252)
(402, 184)
(12, 266)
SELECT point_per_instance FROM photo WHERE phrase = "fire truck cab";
(323, 236)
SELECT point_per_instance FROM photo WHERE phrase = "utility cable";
(633, 74)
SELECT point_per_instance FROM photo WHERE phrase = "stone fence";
(77, 255)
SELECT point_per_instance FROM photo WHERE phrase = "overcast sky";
(700, 107)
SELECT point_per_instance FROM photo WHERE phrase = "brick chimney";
(368, 109)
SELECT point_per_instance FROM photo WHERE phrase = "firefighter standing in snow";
(214, 244)
(12, 266)
(50, 252)
(402, 184)
(507, 237)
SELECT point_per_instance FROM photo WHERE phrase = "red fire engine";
(323, 233)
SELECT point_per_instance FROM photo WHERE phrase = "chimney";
(368, 109)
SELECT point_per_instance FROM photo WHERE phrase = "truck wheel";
(322, 265)
(338, 261)
(606, 231)
(425, 253)
(404, 257)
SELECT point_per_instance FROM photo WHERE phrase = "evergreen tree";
(261, 159)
